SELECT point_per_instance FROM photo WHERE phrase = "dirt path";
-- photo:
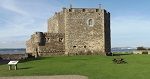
(48, 77)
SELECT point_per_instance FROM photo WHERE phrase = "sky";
(19, 19)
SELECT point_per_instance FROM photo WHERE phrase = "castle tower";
(87, 30)
(39, 38)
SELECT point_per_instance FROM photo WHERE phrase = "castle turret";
(39, 38)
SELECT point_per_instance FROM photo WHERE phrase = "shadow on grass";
(34, 59)
(24, 68)
(2, 62)
(79, 59)
(120, 54)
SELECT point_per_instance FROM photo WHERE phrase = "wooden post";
(16, 67)
(9, 67)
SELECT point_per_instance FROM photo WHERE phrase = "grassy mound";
(95, 67)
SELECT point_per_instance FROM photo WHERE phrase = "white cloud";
(17, 29)
(10, 5)
(21, 18)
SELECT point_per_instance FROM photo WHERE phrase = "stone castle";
(73, 31)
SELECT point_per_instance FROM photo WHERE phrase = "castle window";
(97, 10)
(70, 10)
(74, 46)
(83, 10)
(90, 22)
(60, 39)
(84, 46)
(48, 39)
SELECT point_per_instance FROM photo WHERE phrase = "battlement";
(86, 10)
(83, 10)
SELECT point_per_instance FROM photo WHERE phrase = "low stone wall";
(13, 56)
(52, 54)
(141, 52)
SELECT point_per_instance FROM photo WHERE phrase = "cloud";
(19, 23)
(19, 19)
(11, 6)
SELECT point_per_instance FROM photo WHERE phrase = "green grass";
(95, 67)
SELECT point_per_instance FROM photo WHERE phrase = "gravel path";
(48, 77)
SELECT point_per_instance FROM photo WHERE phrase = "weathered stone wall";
(54, 44)
(30, 45)
(13, 56)
(34, 42)
(56, 24)
(82, 37)
(46, 44)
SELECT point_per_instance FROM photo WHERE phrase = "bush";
(141, 48)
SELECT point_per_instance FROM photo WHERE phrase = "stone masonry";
(73, 31)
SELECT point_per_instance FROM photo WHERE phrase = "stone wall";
(30, 45)
(81, 37)
(56, 24)
(54, 44)
(13, 56)
(47, 44)
(141, 52)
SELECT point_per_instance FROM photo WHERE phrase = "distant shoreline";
(13, 51)
(23, 50)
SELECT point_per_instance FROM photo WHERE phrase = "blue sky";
(130, 20)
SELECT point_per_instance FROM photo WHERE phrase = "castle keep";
(73, 31)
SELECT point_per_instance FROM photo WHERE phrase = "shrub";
(141, 48)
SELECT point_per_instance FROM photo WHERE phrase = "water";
(22, 50)
(13, 51)
(122, 50)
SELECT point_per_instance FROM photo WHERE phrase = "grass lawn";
(95, 67)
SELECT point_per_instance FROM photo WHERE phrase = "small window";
(48, 39)
(90, 22)
(60, 39)
(97, 10)
(70, 10)
(83, 10)
(84, 46)
(74, 46)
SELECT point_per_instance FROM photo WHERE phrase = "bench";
(119, 61)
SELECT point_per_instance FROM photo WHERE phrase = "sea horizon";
(23, 50)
